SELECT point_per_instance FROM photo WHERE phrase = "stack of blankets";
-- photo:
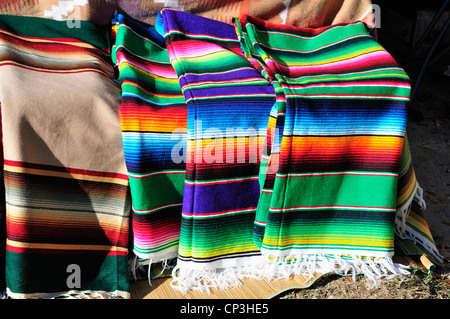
(205, 151)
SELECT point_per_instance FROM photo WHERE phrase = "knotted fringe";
(186, 280)
(275, 268)
(145, 266)
(404, 232)
(373, 268)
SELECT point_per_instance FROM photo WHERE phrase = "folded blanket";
(228, 107)
(255, 150)
(66, 186)
(333, 201)
(414, 237)
(329, 170)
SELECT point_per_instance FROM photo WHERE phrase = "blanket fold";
(413, 236)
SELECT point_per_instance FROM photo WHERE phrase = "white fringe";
(138, 263)
(275, 268)
(72, 294)
(403, 211)
(186, 280)
(373, 268)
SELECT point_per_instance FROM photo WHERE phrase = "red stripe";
(64, 251)
(65, 169)
(332, 206)
(64, 45)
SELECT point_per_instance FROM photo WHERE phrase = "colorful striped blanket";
(153, 122)
(342, 102)
(230, 151)
(66, 184)
(229, 104)
(292, 154)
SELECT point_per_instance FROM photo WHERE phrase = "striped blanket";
(341, 102)
(249, 150)
(66, 185)
(292, 154)
(153, 122)
(229, 104)
(333, 199)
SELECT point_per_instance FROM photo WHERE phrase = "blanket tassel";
(275, 268)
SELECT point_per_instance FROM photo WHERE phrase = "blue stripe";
(320, 118)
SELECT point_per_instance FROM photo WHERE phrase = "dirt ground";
(429, 136)
(430, 148)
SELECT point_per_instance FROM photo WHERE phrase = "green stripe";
(86, 31)
(288, 40)
(353, 89)
(139, 46)
(157, 190)
(371, 228)
(321, 57)
(148, 96)
(171, 245)
(345, 190)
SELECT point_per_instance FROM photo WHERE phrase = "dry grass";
(418, 285)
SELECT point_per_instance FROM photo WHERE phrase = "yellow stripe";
(342, 78)
(327, 240)
(41, 172)
(64, 246)
(406, 191)
(417, 221)
(219, 251)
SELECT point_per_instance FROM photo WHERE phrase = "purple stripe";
(193, 24)
(205, 199)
